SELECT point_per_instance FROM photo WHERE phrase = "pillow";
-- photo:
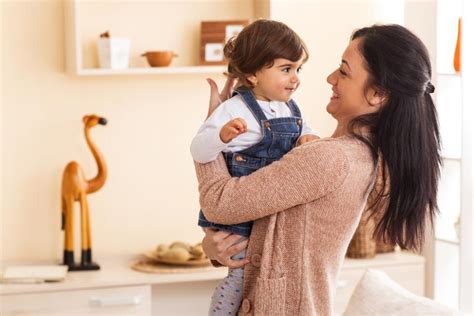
(377, 294)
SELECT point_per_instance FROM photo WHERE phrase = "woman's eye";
(341, 71)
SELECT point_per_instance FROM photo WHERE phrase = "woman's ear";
(377, 97)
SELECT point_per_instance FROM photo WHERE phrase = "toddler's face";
(278, 82)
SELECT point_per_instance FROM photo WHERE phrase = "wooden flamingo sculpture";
(75, 187)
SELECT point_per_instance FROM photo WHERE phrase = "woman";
(307, 206)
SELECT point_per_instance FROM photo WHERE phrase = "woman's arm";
(303, 175)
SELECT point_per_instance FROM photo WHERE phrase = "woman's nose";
(331, 79)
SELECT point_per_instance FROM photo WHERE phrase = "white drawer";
(130, 300)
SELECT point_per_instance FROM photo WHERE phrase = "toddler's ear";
(253, 80)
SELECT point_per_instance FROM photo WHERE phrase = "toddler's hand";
(306, 138)
(232, 129)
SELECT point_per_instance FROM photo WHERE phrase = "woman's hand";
(221, 246)
(217, 98)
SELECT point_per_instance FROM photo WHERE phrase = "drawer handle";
(115, 301)
(341, 284)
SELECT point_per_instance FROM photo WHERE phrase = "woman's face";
(350, 97)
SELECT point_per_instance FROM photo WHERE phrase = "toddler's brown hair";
(258, 45)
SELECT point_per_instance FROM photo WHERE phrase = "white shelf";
(449, 74)
(448, 241)
(76, 64)
(152, 71)
(451, 157)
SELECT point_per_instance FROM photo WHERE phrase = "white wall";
(1, 133)
(151, 194)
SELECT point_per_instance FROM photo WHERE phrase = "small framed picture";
(214, 52)
(214, 35)
(232, 30)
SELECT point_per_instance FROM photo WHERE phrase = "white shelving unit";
(74, 45)
(453, 243)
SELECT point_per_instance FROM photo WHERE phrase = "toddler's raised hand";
(306, 138)
(232, 129)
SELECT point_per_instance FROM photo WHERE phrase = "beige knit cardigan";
(305, 209)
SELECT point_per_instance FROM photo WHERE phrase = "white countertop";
(117, 272)
(114, 272)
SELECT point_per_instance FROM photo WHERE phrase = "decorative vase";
(457, 51)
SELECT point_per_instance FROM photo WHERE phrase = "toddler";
(255, 127)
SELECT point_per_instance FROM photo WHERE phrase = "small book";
(34, 274)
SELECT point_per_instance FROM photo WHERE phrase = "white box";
(113, 52)
(34, 274)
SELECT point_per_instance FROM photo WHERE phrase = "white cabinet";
(118, 290)
(129, 300)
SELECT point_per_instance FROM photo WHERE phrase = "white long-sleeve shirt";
(207, 144)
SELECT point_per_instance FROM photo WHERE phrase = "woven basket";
(383, 247)
(362, 244)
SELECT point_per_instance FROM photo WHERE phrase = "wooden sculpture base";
(86, 261)
(83, 267)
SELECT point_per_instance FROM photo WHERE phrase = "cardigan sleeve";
(305, 174)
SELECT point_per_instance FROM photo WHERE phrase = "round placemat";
(149, 266)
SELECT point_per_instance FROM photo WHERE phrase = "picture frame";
(214, 35)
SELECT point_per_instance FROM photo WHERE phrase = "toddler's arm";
(307, 134)
(207, 143)
(306, 130)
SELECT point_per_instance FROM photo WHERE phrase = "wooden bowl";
(159, 58)
(153, 255)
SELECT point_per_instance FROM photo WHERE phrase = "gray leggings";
(227, 296)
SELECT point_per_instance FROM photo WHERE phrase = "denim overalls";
(279, 137)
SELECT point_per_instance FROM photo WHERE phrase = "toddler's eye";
(299, 69)
(286, 69)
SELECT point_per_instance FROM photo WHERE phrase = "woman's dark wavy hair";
(258, 45)
(403, 135)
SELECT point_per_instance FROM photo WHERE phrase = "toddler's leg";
(227, 296)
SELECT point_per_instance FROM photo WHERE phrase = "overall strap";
(251, 102)
(294, 108)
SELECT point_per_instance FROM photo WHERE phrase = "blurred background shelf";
(86, 20)
(152, 71)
